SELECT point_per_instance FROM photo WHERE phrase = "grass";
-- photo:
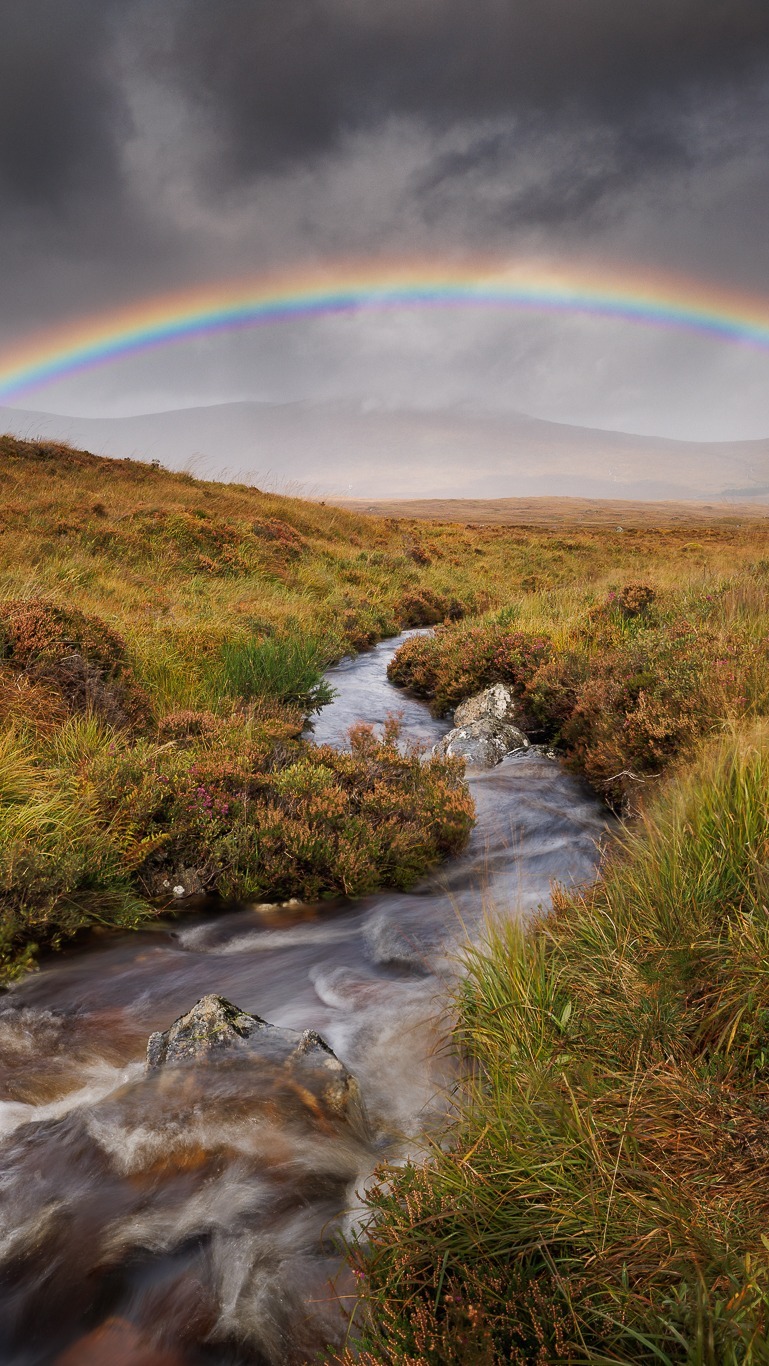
(622, 684)
(161, 642)
(602, 1195)
(287, 670)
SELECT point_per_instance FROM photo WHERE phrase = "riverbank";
(601, 1196)
(163, 639)
(161, 643)
(132, 1194)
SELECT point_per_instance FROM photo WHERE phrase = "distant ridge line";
(341, 450)
(619, 515)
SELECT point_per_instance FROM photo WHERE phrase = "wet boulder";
(483, 729)
(493, 704)
(216, 1028)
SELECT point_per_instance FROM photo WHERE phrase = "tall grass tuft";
(603, 1194)
(286, 668)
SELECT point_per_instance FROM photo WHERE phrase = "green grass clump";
(287, 669)
(603, 1194)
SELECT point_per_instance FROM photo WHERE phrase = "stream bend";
(189, 1216)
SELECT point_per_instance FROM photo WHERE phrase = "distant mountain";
(354, 452)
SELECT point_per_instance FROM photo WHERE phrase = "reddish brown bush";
(424, 607)
(621, 703)
(183, 725)
(635, 599)
(460, 660)
(281, 534)
(74, 655)
(256, 813)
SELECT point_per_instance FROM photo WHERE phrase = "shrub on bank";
(257, 813)
(602, 1197)
(460, 660)
(426, 607)
(628, 688)
(74, 657)
(93, 822)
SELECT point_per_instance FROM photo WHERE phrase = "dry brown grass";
(560, 512)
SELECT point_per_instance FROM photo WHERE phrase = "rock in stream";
(214, 1026)
(483, 729)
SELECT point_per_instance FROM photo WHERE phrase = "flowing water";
(192, 1215)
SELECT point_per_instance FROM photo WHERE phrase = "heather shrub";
(258, 814)
(426, 607)
(635, 599)
(363, 623)
(33, 630)
(631, 685)
(93, 823)
(75, 656)
(460, 660)
(186, 725)
(280, 536)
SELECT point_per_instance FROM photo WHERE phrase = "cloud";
(286, 81)
(63, 115)
(147, 147)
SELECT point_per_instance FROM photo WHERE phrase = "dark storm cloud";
(272, 85)
(286, 80)
(146, 146)
(576, 178)
(62, 112)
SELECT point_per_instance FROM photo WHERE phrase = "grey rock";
(211, 1025)
(493, 704)
(482, 744)
(180, 883)
(189, 880)
(215, 1027)
(483, 731)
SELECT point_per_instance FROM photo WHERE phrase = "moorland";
(600, 1193)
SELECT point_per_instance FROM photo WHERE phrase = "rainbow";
(654, 300)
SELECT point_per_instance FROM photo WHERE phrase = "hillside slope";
(372, 453)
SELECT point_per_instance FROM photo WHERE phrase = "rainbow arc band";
(653, 300)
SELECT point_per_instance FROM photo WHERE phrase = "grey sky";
(147, 147)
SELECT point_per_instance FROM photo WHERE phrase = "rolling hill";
(343, 450)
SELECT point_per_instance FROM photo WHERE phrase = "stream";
(192, 1215)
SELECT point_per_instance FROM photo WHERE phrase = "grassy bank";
(623, 682)
(162, 638)
(161, 642)
(602, 1195)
